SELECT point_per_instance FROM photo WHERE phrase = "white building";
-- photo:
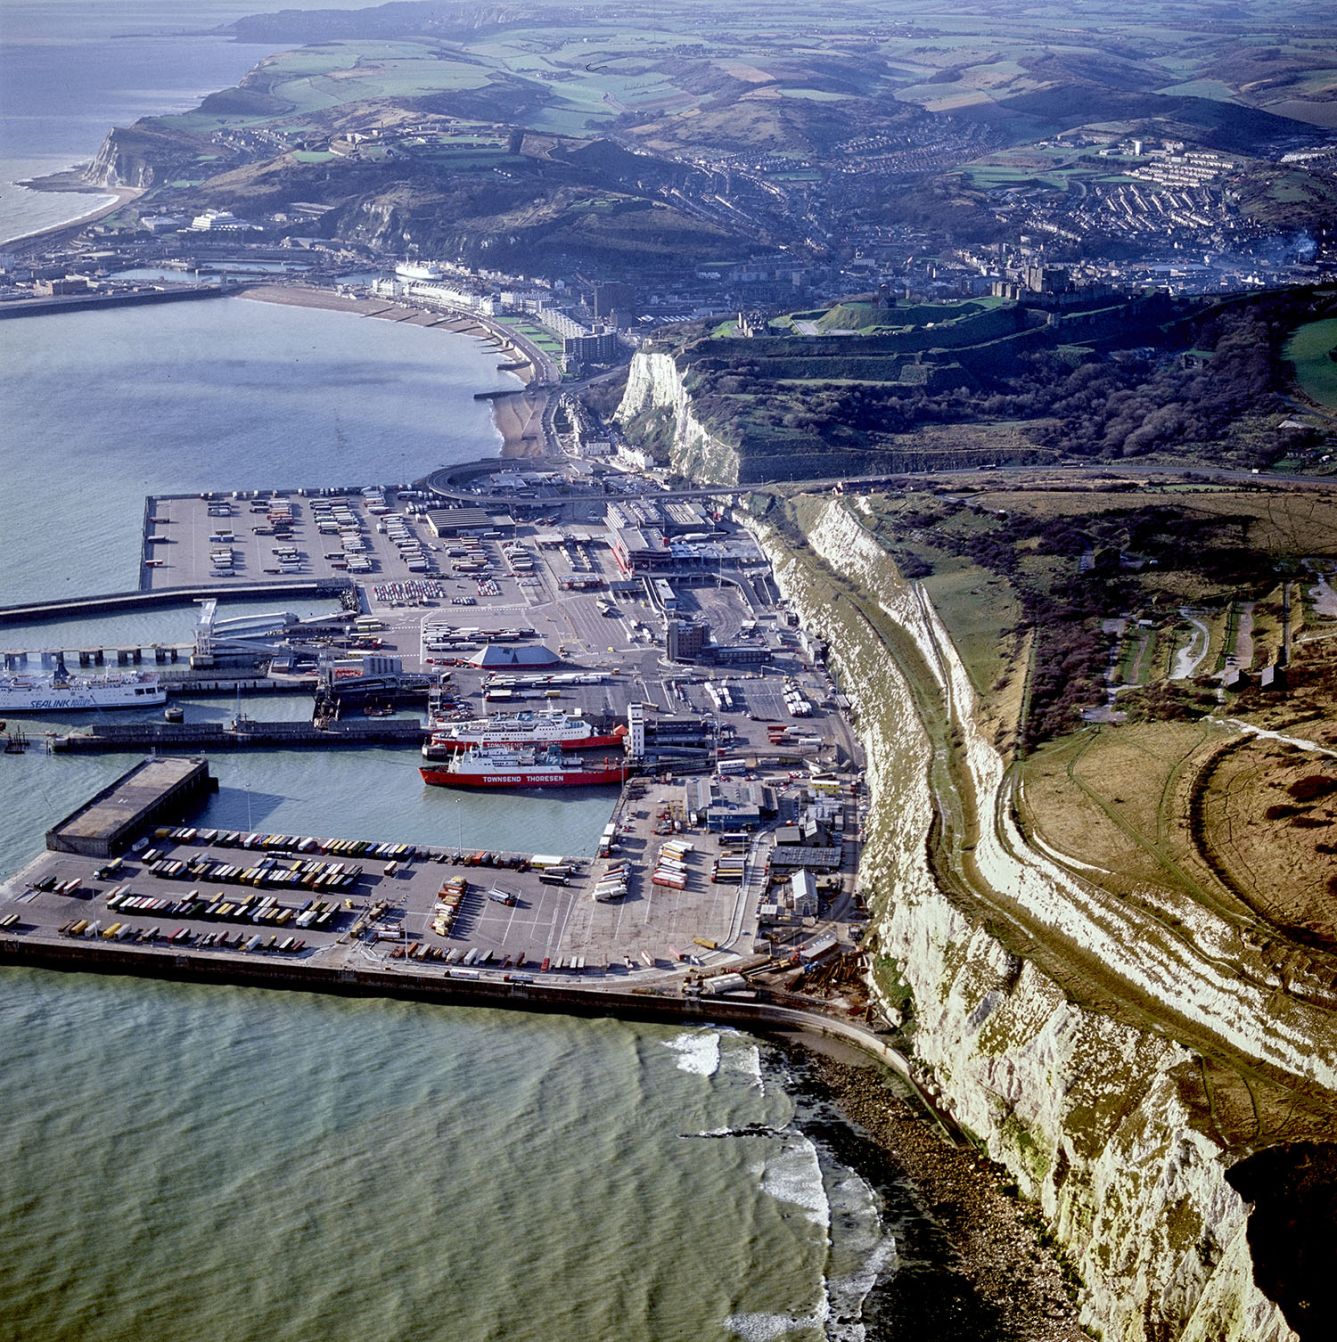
(157, 224)
(219, 221)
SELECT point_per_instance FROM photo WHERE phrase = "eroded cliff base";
(1007, 1281)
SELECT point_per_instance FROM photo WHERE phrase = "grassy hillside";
(824, 120)
(1139, 589)
(1313, 352)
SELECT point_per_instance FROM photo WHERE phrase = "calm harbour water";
(101, 408)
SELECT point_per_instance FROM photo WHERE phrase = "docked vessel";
(519, 730)
(58, 691)
(504, 767)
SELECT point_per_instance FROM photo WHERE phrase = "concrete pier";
(110, 821)
(103, 737)
(86, 658)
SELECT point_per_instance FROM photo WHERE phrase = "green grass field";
(1310, 349)
(539, 335)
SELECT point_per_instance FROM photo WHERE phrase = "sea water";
(181, 1162)
(100, 408)
(231, 1164)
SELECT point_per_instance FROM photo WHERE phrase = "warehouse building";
(164, 788)
(727, 803)
(450, 522)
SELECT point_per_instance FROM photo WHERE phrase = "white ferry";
(59, 692)
(541, 729)
(502, 767)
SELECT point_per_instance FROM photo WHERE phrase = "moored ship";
(58, 691)
(520, 730)
(504, 767)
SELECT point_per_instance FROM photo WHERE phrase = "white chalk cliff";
(1082, 1105)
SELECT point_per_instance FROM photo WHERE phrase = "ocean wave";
(861, 1250)
(794, 1175)
(773, 1327)
(698, 1051)
(745, 1057)
(845, 1297)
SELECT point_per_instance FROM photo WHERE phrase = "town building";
(59, 288)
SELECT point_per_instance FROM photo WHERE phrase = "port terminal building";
(449, 523)
(727, 804)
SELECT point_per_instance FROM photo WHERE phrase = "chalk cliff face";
(141, 155)
(1084, 1109)
(654, 383)
(111, 168)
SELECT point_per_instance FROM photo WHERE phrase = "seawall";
(440, 987)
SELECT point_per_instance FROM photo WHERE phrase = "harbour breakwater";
(83, 607)
(247, 734)
(976, 940)
(444, 988)
(45, 307)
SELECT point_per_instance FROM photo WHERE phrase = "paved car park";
(218, 540)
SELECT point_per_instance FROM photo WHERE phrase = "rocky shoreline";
(1013, 1287)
